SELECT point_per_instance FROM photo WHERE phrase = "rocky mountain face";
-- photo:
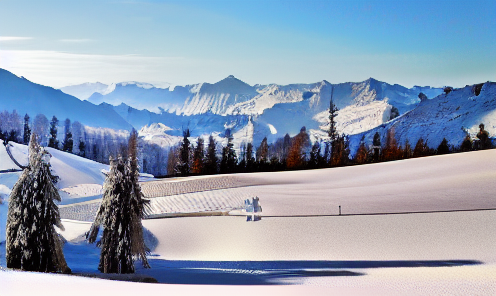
(451, 116)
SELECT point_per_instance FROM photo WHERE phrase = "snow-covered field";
(301, 244)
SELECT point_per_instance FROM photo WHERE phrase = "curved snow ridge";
(206, 201)
(169, 187)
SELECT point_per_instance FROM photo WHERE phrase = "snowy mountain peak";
(137, 84)
(85, 90)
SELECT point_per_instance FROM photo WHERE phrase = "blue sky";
(436, 43)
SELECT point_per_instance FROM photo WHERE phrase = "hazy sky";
(416, 42)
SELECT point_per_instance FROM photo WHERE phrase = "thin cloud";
(59, 69)
(13, 38)
(76, 40)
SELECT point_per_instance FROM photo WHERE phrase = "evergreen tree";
(27, 130)
(82, 148)
(31, 240)
(377, 146)
(241, 167)
(314, 160)
(211, 159)
(483, 136)
(12, 136)
(250, 160)
(421, 148)
(341, 153)
(120, 214)
(229, 160)
(198, 157)
(52, 141)
(263, 151)
(443, 148)
(185, 151)
(333, 133)
(68, 141)
(466, 144)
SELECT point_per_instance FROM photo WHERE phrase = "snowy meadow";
(417, 226)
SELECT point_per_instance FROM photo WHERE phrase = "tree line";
(200, 158)
(297, 152)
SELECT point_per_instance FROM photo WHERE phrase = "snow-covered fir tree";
(31, 240)
(120, 215)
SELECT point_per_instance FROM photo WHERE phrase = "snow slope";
(450, 253)
(446, 116)
(18, 93)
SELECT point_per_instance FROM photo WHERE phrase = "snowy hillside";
(302, 245)
(446, 116)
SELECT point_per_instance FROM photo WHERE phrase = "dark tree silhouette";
(211, 159)
(27, 130)
(443, 147)
(185, 150)
(68, 141)
(52, 141)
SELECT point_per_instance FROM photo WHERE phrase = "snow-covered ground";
(301, 239)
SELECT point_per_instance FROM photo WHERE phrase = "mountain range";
(258, 111)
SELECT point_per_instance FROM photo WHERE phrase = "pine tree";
(483, 136)
(421, 148)
(211, 159)
(185, 150)
(466, 144)
(263, 152)
(377, 146)
(229, 160)
(333, 133)
(314, 162)
(52, 141)
(82, 148)
(120, 214)
(32, 243)
(27, 130)
(68, 141)
(198, 157)
(443, 147)
(250, 160)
